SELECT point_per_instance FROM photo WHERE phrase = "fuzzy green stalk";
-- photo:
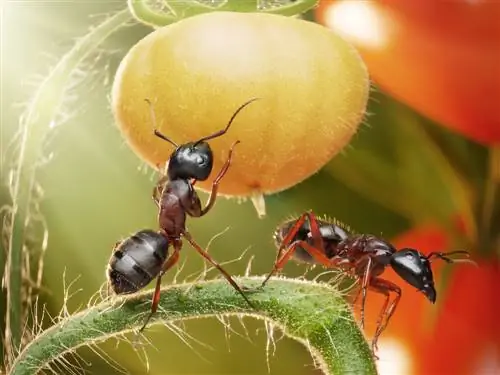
(180, 9)
(314, 314)
(39, 116)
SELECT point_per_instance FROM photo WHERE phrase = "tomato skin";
(441, 58)
(313, 88)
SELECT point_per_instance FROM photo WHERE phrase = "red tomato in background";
(458, 335)
(440, 57)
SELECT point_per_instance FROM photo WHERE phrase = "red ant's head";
(415, 268)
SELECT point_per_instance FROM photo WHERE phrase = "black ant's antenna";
(156, 131)
(223, 131)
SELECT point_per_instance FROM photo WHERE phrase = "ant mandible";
(363, 256)
(138, 259)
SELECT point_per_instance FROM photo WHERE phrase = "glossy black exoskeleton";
(136, 261)
(363, 256)
(145, 255)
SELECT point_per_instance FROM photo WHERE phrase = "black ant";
(138, 259)
(363, 256)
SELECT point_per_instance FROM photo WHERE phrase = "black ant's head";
(191, 160)
(415, 268)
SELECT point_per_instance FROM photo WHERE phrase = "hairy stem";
(314, 314)
(180, 9)
(40, 115)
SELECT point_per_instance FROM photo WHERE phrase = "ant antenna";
(156, 131)
(447, 259)
(223, 131)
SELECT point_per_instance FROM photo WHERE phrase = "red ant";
(363, 256)
(138, 259)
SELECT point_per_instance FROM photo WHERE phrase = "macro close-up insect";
(140, 258)
(309, 239)
(173, 173)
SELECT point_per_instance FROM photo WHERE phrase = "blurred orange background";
(423, 170)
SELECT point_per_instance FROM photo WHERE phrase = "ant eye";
(409, 256)
(201, 160)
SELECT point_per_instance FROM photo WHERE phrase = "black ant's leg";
(205, 255)
(218, 178)
(169, 263)
(384, 287)
(157, 190)
(224, 131)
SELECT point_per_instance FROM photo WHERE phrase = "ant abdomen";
(332, 233)
(136, 261)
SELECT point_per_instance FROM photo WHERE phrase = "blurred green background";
(97, 191)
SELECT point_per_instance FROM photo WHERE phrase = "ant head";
(415, 268)
(191, 160)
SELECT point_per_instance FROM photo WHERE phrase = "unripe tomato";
(440, 57)
(312, 85)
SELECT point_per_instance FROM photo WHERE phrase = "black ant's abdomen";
(136, 261)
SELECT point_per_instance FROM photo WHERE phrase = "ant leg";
(384, 287)
(207, 257)
(355, 299)
(288, 238)
(364, 286)
(169, 263)
(157, 190)
(318, 255)
(315, 232)
(224, 131)
(218, 178)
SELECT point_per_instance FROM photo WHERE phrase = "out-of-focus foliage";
(440, 57)
(400, 170)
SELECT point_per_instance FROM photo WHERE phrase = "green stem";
(145, 14)
(180, 9)
(314, 314)
(40, 114)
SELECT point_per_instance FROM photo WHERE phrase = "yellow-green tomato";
(313, 89)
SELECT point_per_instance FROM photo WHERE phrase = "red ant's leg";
(318, 255)
(169, 263)
(286, 241)
(364, 285)
(218, 178)
(355, 299)
(315, 232)
(384, 287)
(205, 255)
